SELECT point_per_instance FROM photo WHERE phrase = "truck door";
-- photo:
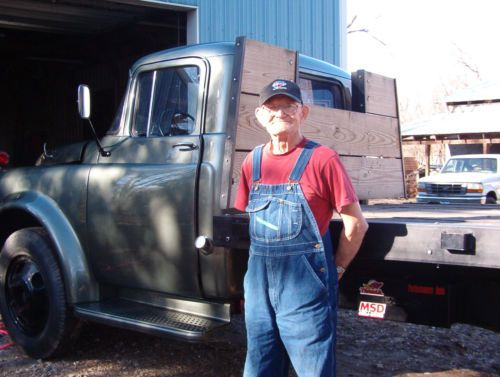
(142, 198)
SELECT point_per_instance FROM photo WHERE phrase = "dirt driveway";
(366, 347)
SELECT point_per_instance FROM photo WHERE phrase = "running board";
(149, 319)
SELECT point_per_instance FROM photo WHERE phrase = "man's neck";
(281, 144)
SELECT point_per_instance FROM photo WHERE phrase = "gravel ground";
(366, 347)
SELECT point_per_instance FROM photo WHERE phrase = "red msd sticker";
(368, 308)
(372, 309)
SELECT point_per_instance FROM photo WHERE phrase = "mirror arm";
(103, 152)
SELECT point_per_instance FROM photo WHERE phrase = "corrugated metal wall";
(313, 27)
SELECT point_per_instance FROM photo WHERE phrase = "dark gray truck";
(136, 229)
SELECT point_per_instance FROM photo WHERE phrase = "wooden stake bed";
(368, 143)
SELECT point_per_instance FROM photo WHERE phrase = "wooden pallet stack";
(411, 176)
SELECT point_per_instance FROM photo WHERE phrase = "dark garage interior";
(48, 47)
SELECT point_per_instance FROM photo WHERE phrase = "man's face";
(281, 115)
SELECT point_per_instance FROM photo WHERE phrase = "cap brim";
(277, 93)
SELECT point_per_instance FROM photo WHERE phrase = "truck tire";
(32, 297)
(491, 199)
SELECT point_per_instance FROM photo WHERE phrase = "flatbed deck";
(433, 213)
(460, 235)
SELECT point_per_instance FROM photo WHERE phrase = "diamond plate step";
(149, 319)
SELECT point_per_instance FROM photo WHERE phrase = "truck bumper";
(451, 199)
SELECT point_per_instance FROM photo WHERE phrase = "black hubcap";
(26, 295)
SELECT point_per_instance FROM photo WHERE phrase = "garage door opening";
(48, 47)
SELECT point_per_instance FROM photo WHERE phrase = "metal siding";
(272, 27)
(334, 36)
(294, 26)
(311, 27)
(305, 37)
(317, 36)
(282, 22)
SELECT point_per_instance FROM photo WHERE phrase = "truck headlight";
(421, 187)
(474, 188)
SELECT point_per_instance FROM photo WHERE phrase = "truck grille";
(445, 188)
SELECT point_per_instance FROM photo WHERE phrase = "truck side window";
(324, 93)
(166, 102)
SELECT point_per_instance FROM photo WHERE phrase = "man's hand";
(355, 227)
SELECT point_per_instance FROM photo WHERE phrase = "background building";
(470, 125)
(48, 47)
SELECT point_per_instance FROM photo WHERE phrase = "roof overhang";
(79, 16)
(478, 126)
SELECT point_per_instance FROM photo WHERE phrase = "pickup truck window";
(166, 102)
(322, 92)
(459, 165)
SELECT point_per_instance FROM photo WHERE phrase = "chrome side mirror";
(84, 101)
(84, 111)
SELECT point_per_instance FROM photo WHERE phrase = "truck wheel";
(32, 297)
(490, 199)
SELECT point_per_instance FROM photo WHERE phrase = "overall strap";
(301, 163)
(256, 162)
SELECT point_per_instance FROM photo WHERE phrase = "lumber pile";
(410, 165)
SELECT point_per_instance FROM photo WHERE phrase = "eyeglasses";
(290, 109)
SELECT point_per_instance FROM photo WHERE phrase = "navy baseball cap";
(284, 87)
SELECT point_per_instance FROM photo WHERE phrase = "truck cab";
(106, 230)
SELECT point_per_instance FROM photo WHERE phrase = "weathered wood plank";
(373, 93)
(433, 142)
(344, 131)
(373, 178)
(264, 63)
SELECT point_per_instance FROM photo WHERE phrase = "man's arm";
(351, 236)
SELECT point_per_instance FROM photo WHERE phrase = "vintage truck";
(136, 229)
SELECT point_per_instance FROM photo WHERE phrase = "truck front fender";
(26, 209)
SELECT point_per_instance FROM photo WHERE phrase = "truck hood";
(471, 177)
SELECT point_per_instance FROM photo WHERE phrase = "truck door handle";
(184, 147)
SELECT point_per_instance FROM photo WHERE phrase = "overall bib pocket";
(274, 219)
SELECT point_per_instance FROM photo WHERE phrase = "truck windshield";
(480, 165)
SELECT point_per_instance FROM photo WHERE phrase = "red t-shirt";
(325, 182)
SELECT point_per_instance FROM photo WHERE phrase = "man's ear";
(260, 116)
(305, 111)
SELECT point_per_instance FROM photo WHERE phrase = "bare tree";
(362, 30)
(464, 61)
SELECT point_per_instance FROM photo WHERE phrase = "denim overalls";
(290, 285)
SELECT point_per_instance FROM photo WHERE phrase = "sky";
(423, 44)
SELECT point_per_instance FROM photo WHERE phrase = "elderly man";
(290, 188)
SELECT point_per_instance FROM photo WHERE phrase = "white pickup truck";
(471, 178)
